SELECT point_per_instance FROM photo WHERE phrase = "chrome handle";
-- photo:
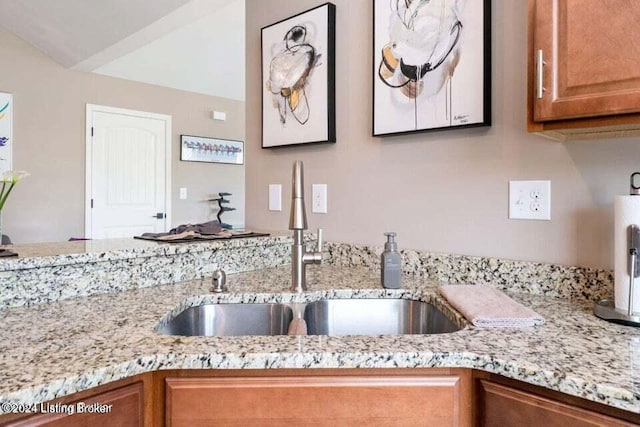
(633, 255)
(319, 244)
(540, 73)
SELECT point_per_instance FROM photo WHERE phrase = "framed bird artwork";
(298, 79)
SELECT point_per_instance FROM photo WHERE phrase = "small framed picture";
(298, 79)
(211, 150)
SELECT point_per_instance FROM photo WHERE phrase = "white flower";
(9, 179)
(13, 176)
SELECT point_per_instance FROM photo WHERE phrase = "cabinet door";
(125, 409)
(317, 401)
(502, 406)
(591, 57)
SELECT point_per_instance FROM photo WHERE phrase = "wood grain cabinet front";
(317, 401)
(503, 406)
(122, 407)
(584, 78)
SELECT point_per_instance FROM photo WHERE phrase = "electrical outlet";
(530, 200)
(319, 204)
(275, 197)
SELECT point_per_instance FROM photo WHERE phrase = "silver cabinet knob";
(219, 281)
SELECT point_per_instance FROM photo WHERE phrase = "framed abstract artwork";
(298, 79)
(431, 65)
(6, 129)
(211, 150)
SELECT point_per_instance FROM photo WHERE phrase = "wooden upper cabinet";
(584, 67)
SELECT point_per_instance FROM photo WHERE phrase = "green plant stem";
(3, 197)
(4, 184)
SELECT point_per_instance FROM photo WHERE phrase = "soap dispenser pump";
(391, 264)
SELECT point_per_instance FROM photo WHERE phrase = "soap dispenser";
(391, 264)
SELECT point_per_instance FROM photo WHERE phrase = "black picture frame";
(323, 132)
(203, 149)
(392, 77)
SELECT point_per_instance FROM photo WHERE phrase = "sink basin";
(375, 317)
(230, 320)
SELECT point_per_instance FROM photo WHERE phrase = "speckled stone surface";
(52, 272)
(537, 278)
(90, 251)
(56, 271)
(51, 350)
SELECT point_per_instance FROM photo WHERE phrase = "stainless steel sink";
(230, 319)
(375, 317)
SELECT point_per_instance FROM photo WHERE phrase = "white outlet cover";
(319, 204)
(183, 193)
(275, 197)
(530, 200)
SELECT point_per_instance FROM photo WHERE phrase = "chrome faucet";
(298, 223)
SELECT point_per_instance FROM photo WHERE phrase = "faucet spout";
(300, 257)
(298, 216)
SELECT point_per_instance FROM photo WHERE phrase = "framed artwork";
(6, 129)
(431, 65)
(298, 79)
(211, 150)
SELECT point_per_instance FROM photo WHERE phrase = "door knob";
(159, 215)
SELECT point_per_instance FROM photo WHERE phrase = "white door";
(128, 173)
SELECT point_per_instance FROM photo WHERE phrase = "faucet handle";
(219, 281)
(320, 242)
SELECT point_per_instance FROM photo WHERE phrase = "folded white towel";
(488, 307)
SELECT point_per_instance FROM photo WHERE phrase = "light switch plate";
(275, 197)
(183, 193)
(530, 200)
(319, 204)
(219, 115)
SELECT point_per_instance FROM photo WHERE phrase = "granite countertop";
(51, 350)
(36, 255)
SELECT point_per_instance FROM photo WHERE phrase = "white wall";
(49, 137)
(444, 191)
(206, 56)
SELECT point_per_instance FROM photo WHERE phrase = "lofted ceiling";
(70, 31)
(142, 40)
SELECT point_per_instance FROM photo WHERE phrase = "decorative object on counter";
(391, 264)
(487, 307)
(222, 208)
(6, 132)
(211, 150)
(211, 230)
(300, 257)
(219, 281)
(6, 253)
(298, 79)
(625, 307)
(9, 180)
(431, 66)
(191, 237)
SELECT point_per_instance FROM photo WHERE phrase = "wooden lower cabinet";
(505, 406)
(328, 397)
(122, 407)
(317, 401)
